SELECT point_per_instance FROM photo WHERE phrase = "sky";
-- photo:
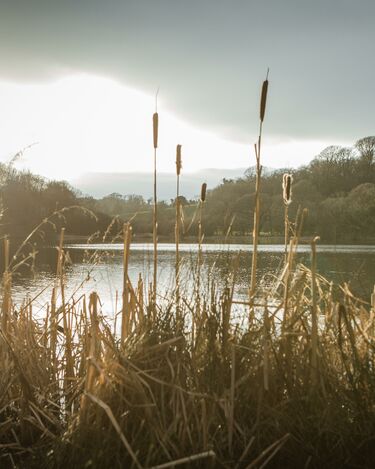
(79, 78)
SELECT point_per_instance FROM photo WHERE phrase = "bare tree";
(366, 148)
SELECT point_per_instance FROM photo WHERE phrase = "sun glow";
(87, 123)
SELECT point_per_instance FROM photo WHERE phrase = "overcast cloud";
(209, 58)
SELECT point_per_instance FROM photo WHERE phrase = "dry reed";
(230, 395)
(287, 198)
(178, 225)
(257, 148)
(155, 122)
(127, 231)
(162, 404)
(200, 238)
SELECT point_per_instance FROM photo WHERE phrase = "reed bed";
(184, 383)
(259, 395)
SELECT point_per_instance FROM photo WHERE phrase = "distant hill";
(101, 184)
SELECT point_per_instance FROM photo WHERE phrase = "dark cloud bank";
(209, 58)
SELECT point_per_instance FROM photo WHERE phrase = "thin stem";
(256, 216)
(127, 231)
(155, 233)
(177, 238)
(199, 248)
(314, 314)
(286, 231)
(7, 281)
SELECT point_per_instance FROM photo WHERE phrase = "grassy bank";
(276, 391)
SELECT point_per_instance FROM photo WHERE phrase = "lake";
(99, 267)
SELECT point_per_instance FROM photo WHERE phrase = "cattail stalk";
(314, 314)
(94, 352)
(54, 311)
(127, 231)
(155, 121)
(7, 283)
(232, 400)
(200, 232)
(140, 299)
(46, 326)
(287, 198)
(256, 222)
(200, 257)
(286, 231)
(177, 225)
(293, 244)
(53, 333)
(69, 362)
(266, 346)
(257, 147)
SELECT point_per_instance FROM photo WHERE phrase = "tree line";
(337, 187)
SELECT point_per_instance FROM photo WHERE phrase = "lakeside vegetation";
(74, 394)
(337, 187)
(191, 377)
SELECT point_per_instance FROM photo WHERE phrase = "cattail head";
(178, 160)
(287, 188)
(155, 122)
(203, 192)
(263, 100)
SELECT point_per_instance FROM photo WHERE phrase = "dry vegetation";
(184, 383)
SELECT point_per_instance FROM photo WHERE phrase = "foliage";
(336, 187)
(73, 394)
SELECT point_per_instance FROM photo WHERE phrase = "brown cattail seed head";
(263, 100)
(178, 160)
(203, 192)
(155, 122)
(287, 188)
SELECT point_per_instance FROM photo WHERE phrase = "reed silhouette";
(283, 379)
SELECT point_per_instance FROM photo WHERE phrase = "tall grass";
(202, 200)
(287, 198)
(125, 291)
(178, 225)
(293, 386)
(257, 147)
(155, 122)
(229, 398)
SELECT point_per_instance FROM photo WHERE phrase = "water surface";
(99, 267)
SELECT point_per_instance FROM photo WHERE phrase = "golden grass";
(187, 382)
(257, 147)
(155, 121)
(178, 227)
(287, 198)
(160, 396)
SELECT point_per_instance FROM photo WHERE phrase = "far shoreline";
(246, 240)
